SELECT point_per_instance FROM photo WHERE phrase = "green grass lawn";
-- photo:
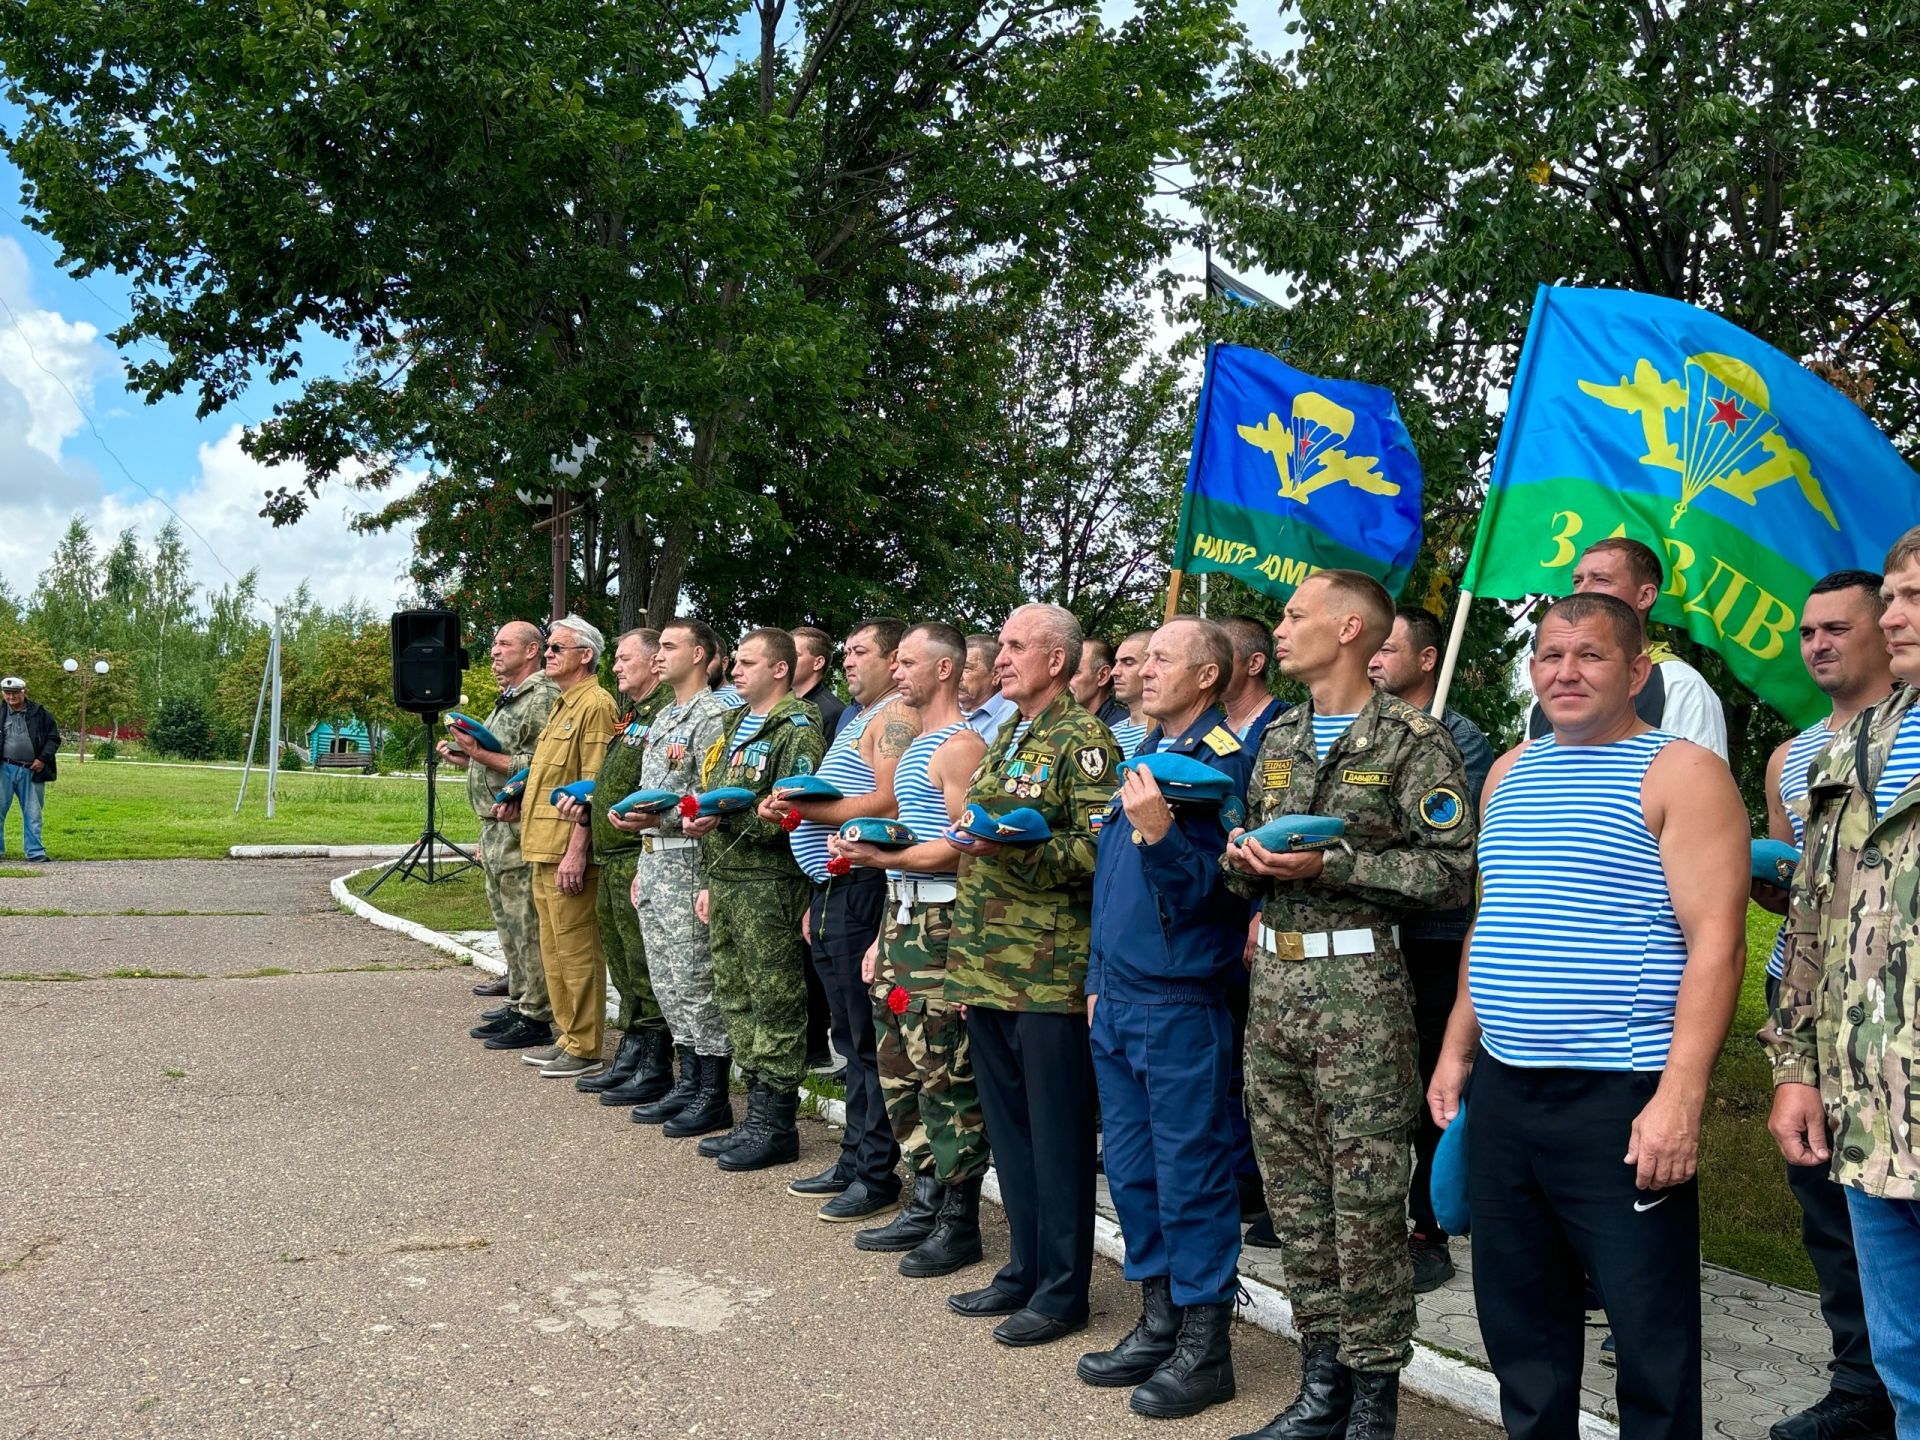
(445, 905)
(106, 811)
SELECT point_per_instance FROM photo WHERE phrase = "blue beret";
(645, 802)
(467, 725)
(1017, 825)
(875, 830)
(515, 786)
(581, 790)
(1447, 1186)
(807, 787)
(727, 800)
(1299, 832)
(1183, 778)
(1774, 862)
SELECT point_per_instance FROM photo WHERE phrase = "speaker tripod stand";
(421, 857)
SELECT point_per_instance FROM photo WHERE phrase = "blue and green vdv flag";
(1752, 477)
(1291, 474)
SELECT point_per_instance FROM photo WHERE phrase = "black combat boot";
(711, 1107)
(676, 1099)
(1376, 1405)
(624, 1059)
(1319, 1411)
(652, 1074)
(1145, 1347)
(914, 1222)
(747, 1124)
(777, 1139)
(1199, 1373)
(954, 1242)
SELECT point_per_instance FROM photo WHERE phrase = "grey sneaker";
(545, 1055)
(568, 1066)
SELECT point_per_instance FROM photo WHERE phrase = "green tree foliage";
(182, 728)
(1414, 170)
(745, 246)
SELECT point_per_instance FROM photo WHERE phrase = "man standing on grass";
(1845, 1037)
(566, 882)
(29, 764)
(527, 697)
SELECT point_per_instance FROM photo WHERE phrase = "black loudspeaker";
(427, 660)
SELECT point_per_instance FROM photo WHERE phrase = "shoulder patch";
(1222, 741)
(1442, 808)
(799, 718)
(1421, 723)
(1092, 760)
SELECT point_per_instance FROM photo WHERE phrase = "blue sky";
(54, 353)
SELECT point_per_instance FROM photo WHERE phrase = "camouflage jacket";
(620, 773)
(1847, 1015)
(1398, 781)
(516, 722)
(1022, 921)
(677, 744)
(745, 847)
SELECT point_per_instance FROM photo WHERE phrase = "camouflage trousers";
(624, 947)
(510, 898)
(678, 955)
(1333, 1081)
(925, 1075)
(758, 975)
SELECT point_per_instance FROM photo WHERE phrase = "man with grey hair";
(566, 882)
(527, 698)
(1018, 962)
(981, 704)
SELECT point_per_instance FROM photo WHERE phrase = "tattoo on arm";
(895, 737)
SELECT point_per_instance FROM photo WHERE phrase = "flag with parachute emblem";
(1291, 474)
(1748, 475)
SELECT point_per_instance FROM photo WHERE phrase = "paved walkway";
(293, 1198)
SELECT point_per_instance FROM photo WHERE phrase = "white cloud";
(47, 363)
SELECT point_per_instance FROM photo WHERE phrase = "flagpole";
(1173, 595)
(1523, 373)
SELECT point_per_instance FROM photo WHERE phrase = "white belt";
(654, 844)
(909, 893)
(1319, 944)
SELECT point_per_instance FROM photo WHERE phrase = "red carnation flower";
(689, 807)
(790, 821)
(839, 865)
(898, 1000)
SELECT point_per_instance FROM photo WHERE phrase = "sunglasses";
(553, 649)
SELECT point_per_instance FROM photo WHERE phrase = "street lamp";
(72, 666)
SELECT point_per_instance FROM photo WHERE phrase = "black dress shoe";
(830, 1181)
(498, 1012)
(983, 1304)
(1260, 1233)
(1839, 1415)
(491, 989)
(859, 1202)
(521, 1034)
(1030, 1327)
(494, 1025)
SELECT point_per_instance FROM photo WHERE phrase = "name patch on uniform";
(1365, 777)
(1276, 774)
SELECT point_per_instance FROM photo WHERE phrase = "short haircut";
(1148, 635)
(1209, 643)
(703, 634)
(1095, 652)
(779, 645)
(1423, 628)
(943, 640)
(815, 641)
(1906, 548)
(1618, 616)
(587, 635)
(1863, 580)
(1250, 637)
(522, 632)
(886, 631)
(989, 643)
(648, 637)
(1060, 630)
(1641, 560)
(1368, 597)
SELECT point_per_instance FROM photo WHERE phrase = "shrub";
(182, 728)
(291, 759)
(104, 750)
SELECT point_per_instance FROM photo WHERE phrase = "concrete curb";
(1433, 1374)
(330, 852)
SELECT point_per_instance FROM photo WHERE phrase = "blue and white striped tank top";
(923, 808)
(1903, 764)
(1802, 751)
(1577, 953)
(1327, 729)
(1128, 736)
(843, 766)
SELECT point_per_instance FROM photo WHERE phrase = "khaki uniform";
(516, 721)
(570, 748)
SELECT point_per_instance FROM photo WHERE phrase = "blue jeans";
(18, 780)
(1886, 1235)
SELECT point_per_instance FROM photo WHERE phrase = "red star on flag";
(1727, 413)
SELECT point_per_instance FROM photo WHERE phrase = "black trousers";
(1826, 1230)
(819, 1015)
(845, 919)
(1035, 1077)
(1553, 1203)
(1433, 967)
